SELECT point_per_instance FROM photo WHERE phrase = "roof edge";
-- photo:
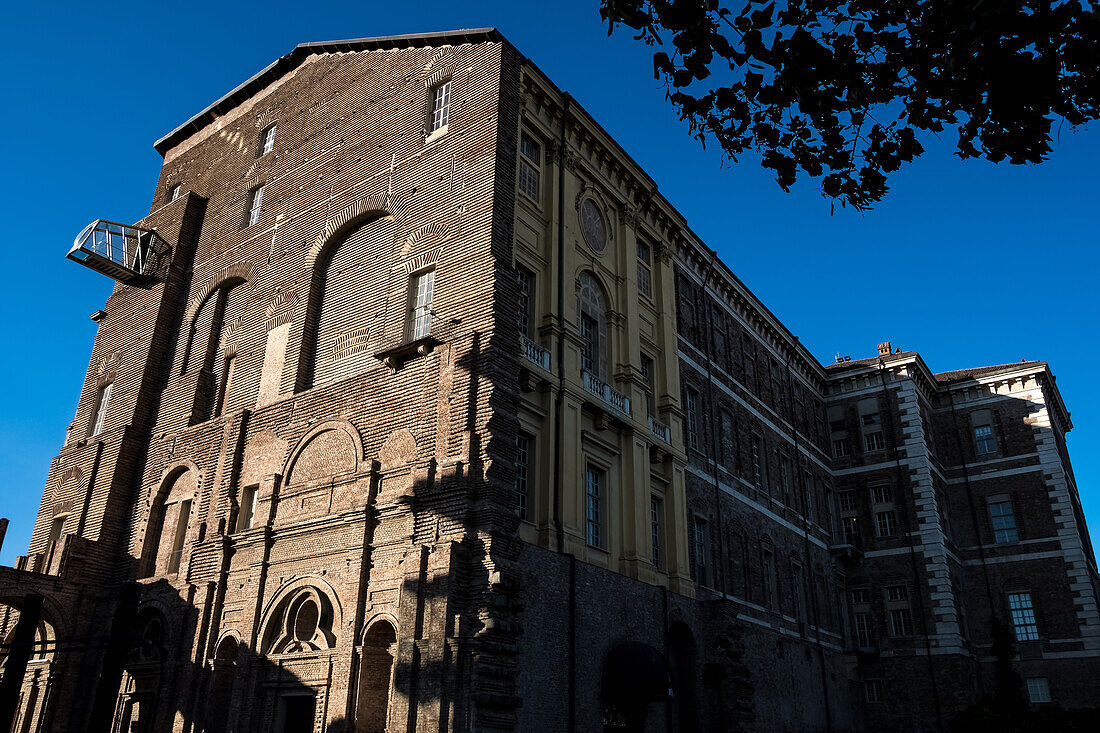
(290, 61)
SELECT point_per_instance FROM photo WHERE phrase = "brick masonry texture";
(601, 486)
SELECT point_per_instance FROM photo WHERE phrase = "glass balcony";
(119, 251)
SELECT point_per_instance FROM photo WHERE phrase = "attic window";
(441, 106)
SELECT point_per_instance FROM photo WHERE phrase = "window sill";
(397, 356)
(435, 135)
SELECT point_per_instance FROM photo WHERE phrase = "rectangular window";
(441, 106)
(1004, 522)
(748, 353)
(174, 192)
(873, 690)
(420, 304)
(526, 280)
(255, 204)
(847, 501)
(699, 545)
(100, 414)
(881, 495)
(840, 447)
(656, 530)
(594, 489)
(267, 141)
(691, 418)
(179, 537)
(1038, 690)
(523, 464)
(590, 336)
(861, 596)
(647, 380)
(57, 527)
(897, 593)
(865, 630)
(886, 523)
(901, 622)
(850, 526)
(874, 441)
(811, 492)
(757, 461)
(785, 478)
(1023, 617)
(768, 561)
(645, 276)
(984, 441)
(247, 512)
(530, 163)
(798, 585)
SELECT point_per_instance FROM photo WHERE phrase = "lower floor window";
(873, 690)
(594, 488)
(1038, 690)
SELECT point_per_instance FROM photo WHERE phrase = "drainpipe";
(808, 570)
(912, 550)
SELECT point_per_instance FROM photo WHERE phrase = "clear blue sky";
(968, 263)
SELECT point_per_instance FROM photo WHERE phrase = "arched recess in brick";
(346, 303)
(302, 617)
(168, 520)
(223, 675)
(330, 449)
(379, 656)
(216, 319)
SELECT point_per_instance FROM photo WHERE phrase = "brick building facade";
(417, 407)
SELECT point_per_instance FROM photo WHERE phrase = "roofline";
(290, 61)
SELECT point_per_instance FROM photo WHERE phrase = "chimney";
(884, 348)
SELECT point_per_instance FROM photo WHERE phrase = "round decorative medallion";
(592, 225)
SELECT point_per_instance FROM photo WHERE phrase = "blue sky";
(968, 263)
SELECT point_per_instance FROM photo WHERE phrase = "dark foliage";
(838, 89)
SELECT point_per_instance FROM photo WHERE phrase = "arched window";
(214, 343)
(302, 622)
(376, 678)
(169, 518)
(592, 322)
(348, 295)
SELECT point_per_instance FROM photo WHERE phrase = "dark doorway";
(298, 713)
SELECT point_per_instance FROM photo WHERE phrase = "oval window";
(305, 620)
(592, 225)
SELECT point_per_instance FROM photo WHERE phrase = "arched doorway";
(634, 676)
(376, 678)
(682, 651)
(222, 677)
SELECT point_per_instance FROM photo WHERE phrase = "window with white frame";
(865, 629)
(99, 415)
(898, 610)
(594, 488)
(255, 205)
(881, 495)
(1038, 690)
(1003, 520)
(847, 501)
(645, 275)
(530, 163)
(174, 192)
(1023, 616)
(870, 421)
(840, 447)
(523, 468)
(421, 286)
(872, 689)
(691, 418)
(656, 530)
(886, 523)
(441, 106)
(647, 367)
(699, 549)
(758, 469)
(526, 280)
(267, 141)
(985, 442)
